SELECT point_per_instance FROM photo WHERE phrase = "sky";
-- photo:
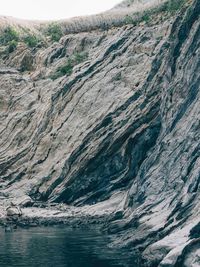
(53, 9)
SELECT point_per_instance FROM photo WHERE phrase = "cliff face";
(123, 119)
(78, 137)
(162, 205)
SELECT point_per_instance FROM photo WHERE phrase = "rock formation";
(112, 113)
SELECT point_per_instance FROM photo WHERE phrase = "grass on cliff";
(12, 46)
(31, 40)
(67, 68)
(105, 21)
(169, 8)
(173, 6)
(54, 32)
(9, 38)
(8, 35)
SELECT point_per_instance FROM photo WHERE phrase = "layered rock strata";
(119, 133)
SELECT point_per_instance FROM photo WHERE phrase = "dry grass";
(134, 9)
(113, 16)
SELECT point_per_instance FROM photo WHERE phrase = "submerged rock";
(8, 229)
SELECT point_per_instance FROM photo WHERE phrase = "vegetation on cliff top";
(167, 9)
(10, 38)
(54, 32)
(115, 18)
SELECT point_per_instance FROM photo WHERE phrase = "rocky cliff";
(110, 117)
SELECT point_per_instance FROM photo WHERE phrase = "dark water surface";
(60, 247)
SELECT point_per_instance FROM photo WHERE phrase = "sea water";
(60, 247)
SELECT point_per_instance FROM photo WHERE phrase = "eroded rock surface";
(123, 121)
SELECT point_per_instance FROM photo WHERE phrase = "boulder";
(24, 201)
(8, 229)
(13, 211)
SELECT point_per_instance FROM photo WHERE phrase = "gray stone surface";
(119, 135)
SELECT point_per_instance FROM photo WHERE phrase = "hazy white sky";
(53, 9)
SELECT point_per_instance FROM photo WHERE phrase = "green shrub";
(31, 40)
(67, 69)
(146, 16)
(12, 46)
(135, 21)
(129, 20)
(54, 30)
(63, 70)
(79, 57)
(172, 6)
(9, 35)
